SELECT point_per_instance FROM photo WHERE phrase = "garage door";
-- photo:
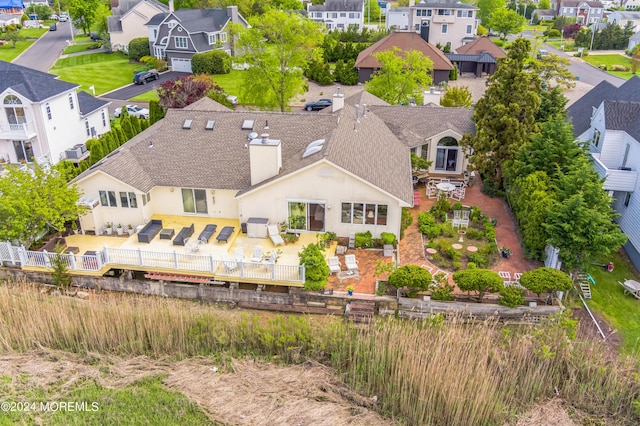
(181, 65)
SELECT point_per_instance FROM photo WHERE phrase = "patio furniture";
(228, 263)
(516, 277)
(334, 264)
(387, 250)
(167, 233)
(350, 262)
(225, 233)
(428, 268)
(351, 273)
(149, 231)
(446, 188)
(341, 249)
(506, 276)
(238, 253)
(276, 239)
(414, 180)
(184, 233)
(192, 245)
(432, 191)
(256, 257)
(207, 232)
(632, 287)
(459, 193)
(270, 262)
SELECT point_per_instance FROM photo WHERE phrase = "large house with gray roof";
(177, 35)
(128, 21)
(346, 169)
(608, 118)
(44, 119)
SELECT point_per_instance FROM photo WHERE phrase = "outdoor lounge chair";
(334, 264)
(225, 233)
(350, 262)
(256, 257)
(149, 231)
(229, 264)
(275, 235)
(270, 262)
(182, 236)
(207, 233)
(238, 253)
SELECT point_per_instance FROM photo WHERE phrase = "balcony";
(443, 19)
(17, 131)
(615, 179)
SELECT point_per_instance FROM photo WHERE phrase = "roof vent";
(187, 123)
(210, 124)
(264, 137)
(313, 147)
(251, 136)
(248, 124)
(266, 124)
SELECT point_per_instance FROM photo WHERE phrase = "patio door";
(306, 216)
(447, 154)
(24, 151)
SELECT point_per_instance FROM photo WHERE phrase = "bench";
(150, 230)
(207, 232)
(225, 233)
(184, 233)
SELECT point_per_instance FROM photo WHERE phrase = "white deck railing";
(226, 270)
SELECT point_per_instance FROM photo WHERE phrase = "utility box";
(257, 227)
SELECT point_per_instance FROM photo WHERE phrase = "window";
(104, 119)
(340, 26)
(595, 141)
(359, 213)
(445, 27)
(353, 15)
(194, 200)
(334, 15)
(318, 14)
(444, 12)
(223, 37)
(172, 24)
(48, 109)
(212, 39)
(421, 12)
(146, 198)
(469, 29)
(86, 126)
(70, 101)
(343, 14)
(14, 110)
(108, 198)
(24, 150)
(181, 43)
(155, 33)
(128, 199)
(447, 154)
(627, 199)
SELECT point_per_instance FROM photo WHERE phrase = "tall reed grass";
(426, 372)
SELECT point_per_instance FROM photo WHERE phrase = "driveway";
(133, 90)
(44, 53)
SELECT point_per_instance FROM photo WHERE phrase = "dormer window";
(172, 24)
(182, 43)
(223, 37)
(212, 38)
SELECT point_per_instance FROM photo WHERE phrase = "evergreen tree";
(156, 112)
(96, 153)
(135, 125)
(144, 125)
(122, 138)
(552, 104)
(127, 128)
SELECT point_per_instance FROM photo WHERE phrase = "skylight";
(210, 124)
(313, 147)
(187, 123)
(248, 124)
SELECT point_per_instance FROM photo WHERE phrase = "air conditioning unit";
(73, 153)
(82, 147)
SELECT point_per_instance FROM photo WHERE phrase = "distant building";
(585, 12)
(478, 57)
(338, 15)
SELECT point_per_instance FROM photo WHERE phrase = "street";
(44, 53)
(587, 73)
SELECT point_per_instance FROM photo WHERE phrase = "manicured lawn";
(103, 70)
(151, 95)
(231, 82)
(8, 53)
(621, 311)
(81, 37)
(75, 48)
(539, 29)
(610, 60)
(33, 32)
(569, 46)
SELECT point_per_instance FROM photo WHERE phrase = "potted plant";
(109, 228)
(130, 230)
(74, 227)
(120, 229)
(350, 289)
(506, 252)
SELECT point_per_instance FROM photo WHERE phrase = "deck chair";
(506, 277)
(229, 264)
(276, 239)
(238, 253)
(270, 262)
(432, 191)
(350, 262)
(334, 264)
(256, 257)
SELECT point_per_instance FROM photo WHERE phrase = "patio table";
(343, 275)
(446, 187)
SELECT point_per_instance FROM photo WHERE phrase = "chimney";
(338, 101)
(431, 96)
(171, 9)
(265, 158)
(232, 12)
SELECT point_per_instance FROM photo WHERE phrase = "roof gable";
(32, 84)
(480, 45)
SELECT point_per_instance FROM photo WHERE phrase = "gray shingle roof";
(635, 37)
(581, 110)
(623, 115)
(113, 22)
(88, 103)
(576, 3)
(157, 19)
(197, 20)
(483, 58)
(627, 15)
(34, 85)
(338, 6)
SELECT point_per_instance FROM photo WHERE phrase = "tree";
(478, 280)
(505, 115)
(138, 47)
(506, 21)
(14, 37)
(83, 13)
(456, 97)
(371, 10)
(552, 67)
(33, 200)
(488, 8)
(402, 75)
(60, 276)
(213, 62)
(412, 278)
(544, 5)
(316, 270)
(156, 112)
(545, 280)
(552, 104)
(277, 48)
(43, 12)
(183, 91)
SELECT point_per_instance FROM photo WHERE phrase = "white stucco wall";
(133, 25)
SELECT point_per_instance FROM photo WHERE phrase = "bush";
(432, 231)
(553, 33)
(478, 280)
(405, 220)
(213, 62)
(474, 234)
(489, 230)
(364, 240)
(412, 278)
(138, 47)
(320, 73)
(316, 270)
(387, 238)
(453, 74)
(545, 280)
(480, 260)
(511, 297)
(617, 67)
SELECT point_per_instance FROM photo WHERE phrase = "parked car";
(55, 17)
(542, 53)
(144, 77)
(94, 36)
(63, 18)
(232, 99)
(134, 110)
(318, 105)
(53, 27)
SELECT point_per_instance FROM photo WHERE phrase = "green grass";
(609, 60)
(231, 82)
(151, 95)
(621, 311)
(76, 48)
(103, 70)
(569, 46)
(8, 53)
(539, 29)
(81, 37)
(33, 32)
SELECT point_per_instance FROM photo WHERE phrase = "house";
(440, 22)
(545, 14)
(585, 12)
(27, 3)
(8, 19)
(478, 57)
(128, 21)
(634, 40)
(608, 118)
(344, 170)
(367, 64)
(631, 4)
(338, 15)
(11, 7)
(623, 18)
(44, 117)
(177, 35)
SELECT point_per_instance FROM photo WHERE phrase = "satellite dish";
(252, 136)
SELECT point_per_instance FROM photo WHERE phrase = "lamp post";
(562, 39)
(593, 33)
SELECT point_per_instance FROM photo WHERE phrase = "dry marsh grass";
(426, 372)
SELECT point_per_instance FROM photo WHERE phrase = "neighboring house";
(478, 57)
(631, 4)
(177, 35)
(367, 64)
(28, 3)
(128, 21)
(344, 170)
(608, 118)
(585, 12)
(338, 14)
(622, 19)
(12, 7)
(443, 22)
(8, 19)
(43, 117)
(634, 40)
(545, 14)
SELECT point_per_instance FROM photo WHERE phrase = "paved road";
(45, 52)
(133, 90)
(587, 73)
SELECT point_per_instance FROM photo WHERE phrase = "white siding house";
(338, 15)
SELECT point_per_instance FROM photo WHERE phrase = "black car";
(318, 105)
(145, 76)
(94, 36)
(53, 27)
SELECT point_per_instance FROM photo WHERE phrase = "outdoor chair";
(225, 233)
(334, 264)
(207, 233)
(183, 235)
(229, 264)
(350, 262)
(276, 239)
(506, 277)
(445, 180)
(270, 262)
(238, 253)
(256, 257)
(432, 191)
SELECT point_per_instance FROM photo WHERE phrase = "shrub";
(478, 280)
(553, 33)
(412, 278)
(138, 47)
(603, 67)
(213, 62)
(474, 234)
(453, 74)
(432, 231)
(405, 220)
(476, 214)
(617, 67)
(388, 238)
(319, 72)
(426, 218)
(511, 297)
(545, 280)
(456, 206)
(489, 230)
(471, 265)
(316, 270)
(480, 260)
(364, 240)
